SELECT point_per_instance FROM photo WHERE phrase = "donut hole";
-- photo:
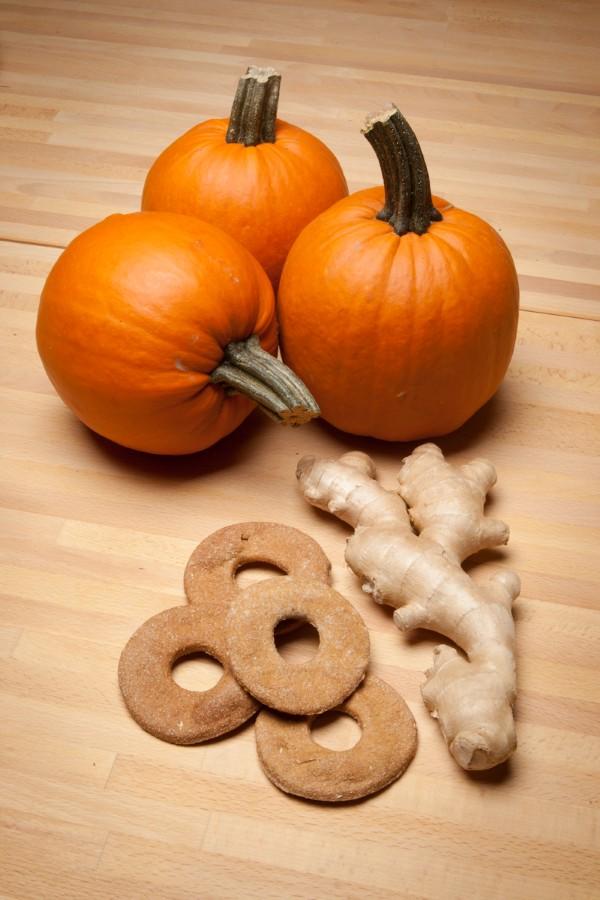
(251, 572)
(335, 730)
(197, 672)
(296, 640)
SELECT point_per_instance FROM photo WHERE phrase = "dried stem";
(254, 110)
(250, 370)
(408, 204)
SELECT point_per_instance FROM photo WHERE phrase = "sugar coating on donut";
(296, 764)
(308, 687)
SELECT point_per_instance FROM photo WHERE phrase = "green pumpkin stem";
(408, 204)
(254, 110)
(250, 370)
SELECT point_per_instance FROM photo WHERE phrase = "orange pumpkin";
(147, 321)
(256, 177)
(398, 310)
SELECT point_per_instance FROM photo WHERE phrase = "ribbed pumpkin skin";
(133, 318)
(263, 195)
(399, 338)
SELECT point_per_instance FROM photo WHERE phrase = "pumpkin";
(398, 310)
(151, 324)
(256, 177)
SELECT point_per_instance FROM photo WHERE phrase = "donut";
(157, 702)
(296, 764)
(209, 577)
(308, 687)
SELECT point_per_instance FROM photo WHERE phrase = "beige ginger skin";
(421, 576)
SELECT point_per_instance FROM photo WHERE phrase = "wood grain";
(95, 538)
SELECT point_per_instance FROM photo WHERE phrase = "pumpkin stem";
(254, 111)
(408, 204)
(250, 370)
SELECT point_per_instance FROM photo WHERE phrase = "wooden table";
(502, 95)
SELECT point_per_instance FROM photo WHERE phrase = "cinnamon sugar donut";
(302, 688)
(157, 702)
(209, 577)
(296, 764)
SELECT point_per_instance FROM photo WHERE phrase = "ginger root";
(421, 576)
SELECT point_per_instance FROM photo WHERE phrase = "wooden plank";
(95, 538)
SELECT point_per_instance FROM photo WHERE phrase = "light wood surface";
(504, 96)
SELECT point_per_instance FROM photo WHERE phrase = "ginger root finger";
(422, 577)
